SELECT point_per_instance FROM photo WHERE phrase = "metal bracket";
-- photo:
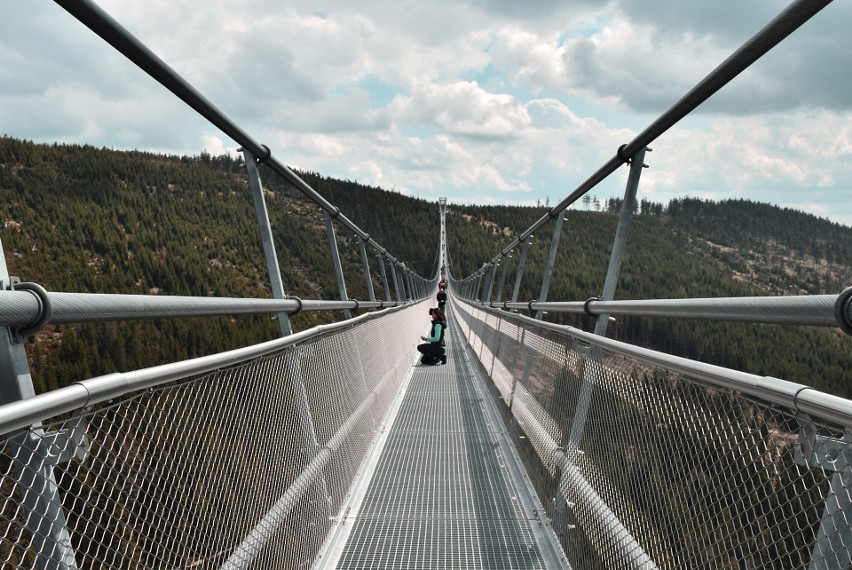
(833, 546)
(36, 453)
(56, 447)
(586, 306)
(843, 310)
(20, 334)
(814, 450)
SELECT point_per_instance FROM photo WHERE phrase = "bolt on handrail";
(785, 23)
(93, 17)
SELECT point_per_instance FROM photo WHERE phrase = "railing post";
(35, 453)
(401, 276)
(591, 363)
(834, 542)
(620, 243)
(491, 279)
(366, 265)
(551, 261)
(479, 275)
(395, 280)
(525, 248)
(529, 358)
(409, 292)
(506, 258)
(832, 549)
(306, 418)
(266, 238)
(525, 375)
(381, 263)
(335, 260)
(593, 359)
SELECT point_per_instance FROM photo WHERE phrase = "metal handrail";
(23, 413)
(20, 308)
(785, 23)
(796, 396)
(803, 310)
(96, 19)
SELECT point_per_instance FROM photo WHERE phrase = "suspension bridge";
(535, 446)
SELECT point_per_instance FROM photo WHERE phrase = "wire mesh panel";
(657, 469)
(230, 469)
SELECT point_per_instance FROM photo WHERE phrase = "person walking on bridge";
(434, 350)
(442, 299)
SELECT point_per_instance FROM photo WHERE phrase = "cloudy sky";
(481, 101)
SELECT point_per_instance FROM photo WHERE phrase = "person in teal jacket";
(434, 350)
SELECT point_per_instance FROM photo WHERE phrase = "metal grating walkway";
(445, 488)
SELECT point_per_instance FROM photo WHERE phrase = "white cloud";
(531, 60)
(483, 100)
(782, 158)
(461, 108)
(632, 64)
(215, 145)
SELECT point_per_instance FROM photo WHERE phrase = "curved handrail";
(796, 396)
(23, 413)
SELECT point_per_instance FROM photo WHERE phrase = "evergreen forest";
(82, 219)
(688, 249)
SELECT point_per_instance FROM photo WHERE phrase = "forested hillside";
(688, 249)
(81, 219)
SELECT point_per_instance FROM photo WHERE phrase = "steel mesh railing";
(658, 469)
(226, 469)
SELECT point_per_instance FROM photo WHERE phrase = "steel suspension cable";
(97, 20)
(785, 23)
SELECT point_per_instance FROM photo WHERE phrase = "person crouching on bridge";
(433, 349)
